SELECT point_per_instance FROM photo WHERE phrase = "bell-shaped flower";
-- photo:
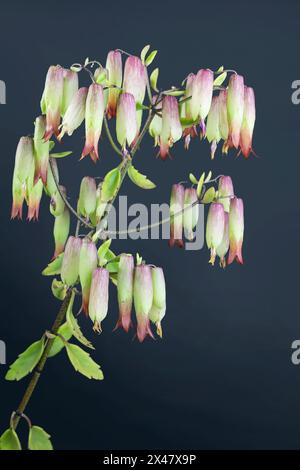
(126, 123)
(171, 128)
(156, 123)
(94, 112)
(143, 300)
(215, 228)
(34, 199)
(225, 191)
(176, 215)
(70, 87)
(222, 249)
(57, 204)
(23, 174)
(52, 99)
(223, 120)
(99, 294)
(236, 230)
(191, 212)
(135, 78)
(41, 150)
(202, 92)
(61, 232)
(125, 291)
(70, 264)
(235, 109)
(158, 309)
(88, 262)
(87, 196)
(248, 122)
(114, 68)
(213, 133)
(186, 113)
(75, 113)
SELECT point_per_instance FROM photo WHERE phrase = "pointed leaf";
(174, 92)
(208, 177)
(59, 289)
(66, 332)
(193, 178)
(144, 52)
(75, 328)
(220, 79)
(110, 184)
(200, 184)
(102, 251)
(39, 439)
(83, 363)
(209, 196)
(60, 154)
(154, 78)
(54, 266)
(220, 69)
(10, 441)
(139, 179)
(150, 58)
(26, 361)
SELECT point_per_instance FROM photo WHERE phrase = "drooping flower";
(114, 67)
(52, 99)
(35, 196)
(126, 123)
(88, 261)
(156, 123)
(225, 191)
(98, 303)
(41, 150)
(222, 249)
(70, 265)
(23, 174)
(176, 221)
(191, 215)
(235, 109)
(223, 120)
(213, 133)
(215, 228)
(125, 291)
(190, 131)
(87, 196)
(94, 112)
(202, 91)
(171, 128)
(143, 300)
(57, 204)
(61, 231)
(158, 309)
(248, 122)
(70, 87)
(236, 230)
(135, 78)
(75, 113)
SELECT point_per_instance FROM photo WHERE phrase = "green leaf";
(10, 441)
(51, 145)
(208, 177)
(139, 259)
(139, 179)
(110, 255)
(26, 361)
(102, 251)
(83, 363)
(144, 52)
(66, 332)
(150, 58)
(59, 289)
(154, 78)
(54, 266)
(141, 107)
(220, 69)
(75, 328)
(60, 154)
(220, 79)
(200, 185)
(112, 267)
(174, 92)
(110, 184)
(209, 196)
(193, 178)
(39, 439)
(187, 122)
(114, 278)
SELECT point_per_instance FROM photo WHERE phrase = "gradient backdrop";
(222, 377)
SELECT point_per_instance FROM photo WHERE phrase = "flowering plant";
(85, 263)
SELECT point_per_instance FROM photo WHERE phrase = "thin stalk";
(110, 138)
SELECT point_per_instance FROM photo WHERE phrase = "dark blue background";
(222, 377)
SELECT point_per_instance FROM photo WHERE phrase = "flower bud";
(222, 249)
(35, 196)
(70, 87)
(61, 231)
(171, 128)
(202, 91)
(223, 120)
(114, 67)
(88, 262)
(176, 205)
(57, 204)
(225, 191)
(98, 303)
(94, 112)
(125, 291)
(215, 228)
(191, 215)
(41, 150)
(75, 113)
(135, 78)
(236, 230)
(235, 108)
(158, 309)
(87, 196)
(70, 265)
(248, 122)
(50, 187)
(23, 172)
(143, 300)
(189, 132)
(213, 125)
(52, 99)
(126, 123)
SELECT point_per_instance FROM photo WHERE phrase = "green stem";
(41, 364)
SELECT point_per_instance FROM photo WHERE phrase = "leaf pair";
(38, 439)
